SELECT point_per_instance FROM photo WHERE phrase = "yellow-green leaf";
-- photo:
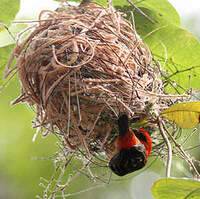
(176, 189)
(186, 115)
(139, 124)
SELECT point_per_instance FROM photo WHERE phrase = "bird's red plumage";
(132, 148)
(126, 141)
(129, 139)
(148, 143)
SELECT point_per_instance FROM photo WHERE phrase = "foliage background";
(23, 162)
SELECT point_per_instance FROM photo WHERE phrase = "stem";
(110, 3)
(188, 159)
(141, 12)
(169, 155)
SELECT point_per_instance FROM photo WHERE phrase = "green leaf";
(4, 56)
(172, 46)
(8, 10)
(182, 52)
(6, 39)
(186, 115)
(143, 123)
(176, 189)
(161, 9)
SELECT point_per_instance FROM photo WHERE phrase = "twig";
(97, 118)
(188, 159)
(53, 177)
(4, 25)
(69, 109)
(155, 30)
(77, 98)
(110, 3)
(141, 12)
(82, 191)
(191, 134)
(169, 155)
(193, 147)
(133, 21)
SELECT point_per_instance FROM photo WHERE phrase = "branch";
(169, 155)
(141, 12)
(6, 27)
(188, 159)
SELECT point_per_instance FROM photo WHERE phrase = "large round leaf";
(176, 49)
(8, 10)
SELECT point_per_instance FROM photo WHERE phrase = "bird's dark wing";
(128, 160)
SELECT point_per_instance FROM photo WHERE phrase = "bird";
(132, 148)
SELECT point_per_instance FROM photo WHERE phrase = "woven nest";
(81, 67)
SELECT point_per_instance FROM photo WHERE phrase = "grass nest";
(81, 67)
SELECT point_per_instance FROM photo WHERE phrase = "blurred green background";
(23, 162)
(19, 171)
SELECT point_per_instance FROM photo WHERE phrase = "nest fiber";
(81, 67)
